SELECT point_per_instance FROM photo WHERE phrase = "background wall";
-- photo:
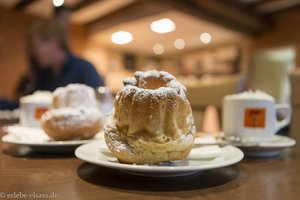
(13, 59)
(12, 49)
(285, 32)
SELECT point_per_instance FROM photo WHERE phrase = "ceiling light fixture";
(179, 43)
(205, 38)
(158, 49)
(164, 25)
(58, 3)
(121, 37)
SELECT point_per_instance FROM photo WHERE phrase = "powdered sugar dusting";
(180, 89)
(154, 73)
(140, 78)
(130, 81)
(111, 131)
(70, 117)
(74, 95)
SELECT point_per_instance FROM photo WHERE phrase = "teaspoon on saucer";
(230, 140)
(238, 141)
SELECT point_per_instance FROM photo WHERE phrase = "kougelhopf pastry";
(152, 120)
(73, 115)
(70, 123)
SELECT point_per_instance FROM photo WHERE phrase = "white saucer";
(268, 148)
(97, 153)
(37, 139)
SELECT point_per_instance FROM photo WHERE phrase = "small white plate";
(38, 140)
(97, 153)
(268, 148)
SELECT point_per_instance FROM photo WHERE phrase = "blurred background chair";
(206, 96)
(295, 102)
(269, 73)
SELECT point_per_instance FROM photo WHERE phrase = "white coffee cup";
(253, 115)
(32, 107)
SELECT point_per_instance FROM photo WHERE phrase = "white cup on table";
(253, 115)
(32, 107)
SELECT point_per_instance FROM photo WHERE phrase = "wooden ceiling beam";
(83, 3)
(23, 4)
(271, 7)
(136, 10)
(222, 13)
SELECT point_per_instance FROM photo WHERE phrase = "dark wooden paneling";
(22, 4)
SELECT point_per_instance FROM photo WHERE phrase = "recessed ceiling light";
(164, 25)
(58, 3)
(158, 49)
(179, 43)
(205, 38)
(121, 37)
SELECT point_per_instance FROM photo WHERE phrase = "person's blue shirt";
(75, 70)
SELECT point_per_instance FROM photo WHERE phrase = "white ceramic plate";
(268, 148)
(37, 139)
(97, 153)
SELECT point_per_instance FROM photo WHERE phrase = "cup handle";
(287, 116)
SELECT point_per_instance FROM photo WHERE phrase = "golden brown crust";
(71, 133)
(152, 119)
(69, 124)
(129, 150)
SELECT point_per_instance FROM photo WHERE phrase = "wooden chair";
(210, 92)
(295, 102)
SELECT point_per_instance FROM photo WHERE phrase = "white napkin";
(205, 152)
(205, 140)
(26, 134)
(210, 150)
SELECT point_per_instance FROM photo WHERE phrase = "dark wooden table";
(32, 175)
